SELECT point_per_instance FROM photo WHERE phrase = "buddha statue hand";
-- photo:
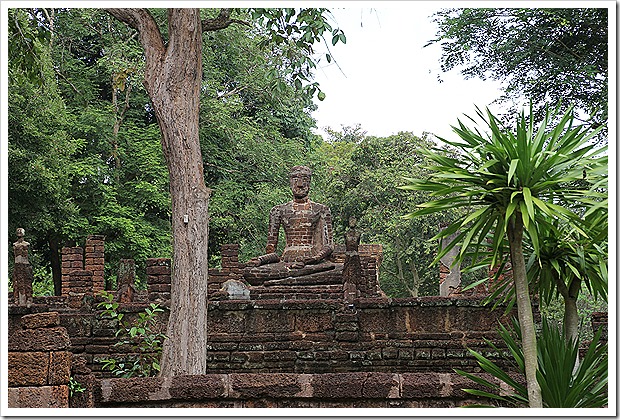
(297, 265)
(264, 259)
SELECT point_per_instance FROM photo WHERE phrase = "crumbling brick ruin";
(281, 345)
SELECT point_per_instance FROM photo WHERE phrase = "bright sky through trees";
(389, 82)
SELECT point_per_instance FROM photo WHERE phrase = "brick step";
(297, 296)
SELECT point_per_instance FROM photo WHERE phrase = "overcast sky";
(389, 81)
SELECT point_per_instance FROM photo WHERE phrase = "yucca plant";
(563, 382)
(571, 255)
(509, 180)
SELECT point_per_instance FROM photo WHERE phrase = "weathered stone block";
(342, 385)
(272, 385)
(422, 353)
(59, 367)
(195, 387)
(40, 320)
(132, 389)
(40, 339)
(77, 325)
(347, 336)
(156, 270)
(271, 321)
(380, 385)
(28, 369)
(313, 321)
(346, 326)
(159, 287)
(160, 279)
(438, 353)
(56, 396)
(73, 256)
(421, 385)
(157, 261)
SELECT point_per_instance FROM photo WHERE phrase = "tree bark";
(570, 293)
(524, 308)
(173, 75)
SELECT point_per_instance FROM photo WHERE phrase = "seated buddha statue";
(308, 234)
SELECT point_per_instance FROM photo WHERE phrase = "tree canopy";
(545, 55)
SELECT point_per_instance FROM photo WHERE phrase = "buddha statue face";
(300, 181)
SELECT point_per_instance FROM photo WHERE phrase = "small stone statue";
(308, 234)
(352, 238)
(22, 271)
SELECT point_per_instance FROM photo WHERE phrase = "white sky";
(390, 81)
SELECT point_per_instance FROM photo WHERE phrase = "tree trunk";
(524, 308)
(571, 315)
(173, 75)
(416, 279)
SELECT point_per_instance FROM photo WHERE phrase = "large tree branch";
(222, 21)
(142, 21)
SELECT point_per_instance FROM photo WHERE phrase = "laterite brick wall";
(39, 362)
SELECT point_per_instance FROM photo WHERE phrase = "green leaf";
(321, 96)
(527, 196)
(512, 169)
(510, 209)
(524, 214)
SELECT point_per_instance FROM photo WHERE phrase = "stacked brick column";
(158, 278)
(39, 363)
(72, 260)
(230, 262)
(599, 320)
(95, 260)
(231, 270)
(371, 256)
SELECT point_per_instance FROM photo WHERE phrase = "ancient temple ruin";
(280, 345)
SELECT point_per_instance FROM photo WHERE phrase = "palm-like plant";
(571, 255)
(564, 382)
(569, 258)
(509, 181)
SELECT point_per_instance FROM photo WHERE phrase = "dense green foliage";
(84, 141)
(545, 55)
(565, 380)
(85, 154)
(360, 179)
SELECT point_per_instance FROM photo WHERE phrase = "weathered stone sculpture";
(308, 234)
(449, 273)
(352, 271)
(125, 280)
(22, 271)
